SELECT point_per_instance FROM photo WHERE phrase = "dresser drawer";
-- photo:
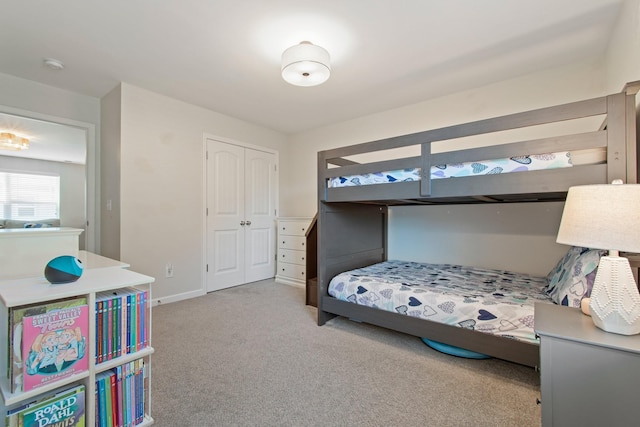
(292, 271)
(291, 242)
(291, 256)
(293, 228)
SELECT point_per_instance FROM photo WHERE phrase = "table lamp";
(607, 216)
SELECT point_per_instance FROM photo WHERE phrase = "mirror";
(61, 147)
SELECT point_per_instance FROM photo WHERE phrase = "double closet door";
(241, 212)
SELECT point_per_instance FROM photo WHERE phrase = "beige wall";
(162, 185)
(623, 56)
(110, 173)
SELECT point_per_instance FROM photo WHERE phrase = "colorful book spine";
(114, 400)
(120, 396)
(129, 318)
(134, 323)
(139, 326)
(123, 327)
(140, 391)
(145, 319)
(128, 399)
(102, 399)
(98, 344)
(117, 327)
(109, 319)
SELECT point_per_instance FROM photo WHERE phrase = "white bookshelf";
(105, 276)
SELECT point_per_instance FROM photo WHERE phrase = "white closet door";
(241, 190)
(225, 203)
(260, 187)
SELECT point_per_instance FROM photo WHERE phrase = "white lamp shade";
(602, 216)
(305, 64)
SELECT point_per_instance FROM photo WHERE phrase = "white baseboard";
(177, 297)
(289, 282)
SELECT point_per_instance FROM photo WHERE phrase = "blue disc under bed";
(454, 351)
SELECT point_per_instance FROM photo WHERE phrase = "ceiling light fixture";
(53, 64)
(9, 141)
(305, 64)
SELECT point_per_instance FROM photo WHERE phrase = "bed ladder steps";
(311, 258)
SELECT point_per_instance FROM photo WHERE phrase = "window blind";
(25, 196)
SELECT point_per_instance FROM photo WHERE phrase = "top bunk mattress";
(491, 301)
(455, 170)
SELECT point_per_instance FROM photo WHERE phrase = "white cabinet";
(292, 251)
(36, 290)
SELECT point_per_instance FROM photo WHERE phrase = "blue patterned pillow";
(36, 225)
(573, 277)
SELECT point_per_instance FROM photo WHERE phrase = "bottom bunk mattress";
(492, 301)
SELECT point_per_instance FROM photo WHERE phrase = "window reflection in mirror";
(54, 150)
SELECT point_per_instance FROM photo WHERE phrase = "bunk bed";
(352, 219)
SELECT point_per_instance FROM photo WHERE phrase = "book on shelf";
(122, 323)
(15, 359)
(64, 408)
(120, 395)
(54, 345)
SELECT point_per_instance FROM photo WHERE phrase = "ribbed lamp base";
(615, 300)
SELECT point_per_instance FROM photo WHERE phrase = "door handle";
(248, 222)
(242, 223)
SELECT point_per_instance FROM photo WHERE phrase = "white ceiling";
(224, 55)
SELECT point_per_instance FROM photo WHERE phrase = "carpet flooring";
(253, 355)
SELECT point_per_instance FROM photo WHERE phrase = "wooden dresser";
(291, 256)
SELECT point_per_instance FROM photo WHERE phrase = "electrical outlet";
(168, 270)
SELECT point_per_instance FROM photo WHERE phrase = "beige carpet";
(253, 356)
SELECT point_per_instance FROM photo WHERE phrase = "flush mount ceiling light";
(305, 64)
(9, 141)
(53, 64)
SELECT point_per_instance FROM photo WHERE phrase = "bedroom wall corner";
(622, 59)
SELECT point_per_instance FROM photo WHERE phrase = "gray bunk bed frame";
(352, 221)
